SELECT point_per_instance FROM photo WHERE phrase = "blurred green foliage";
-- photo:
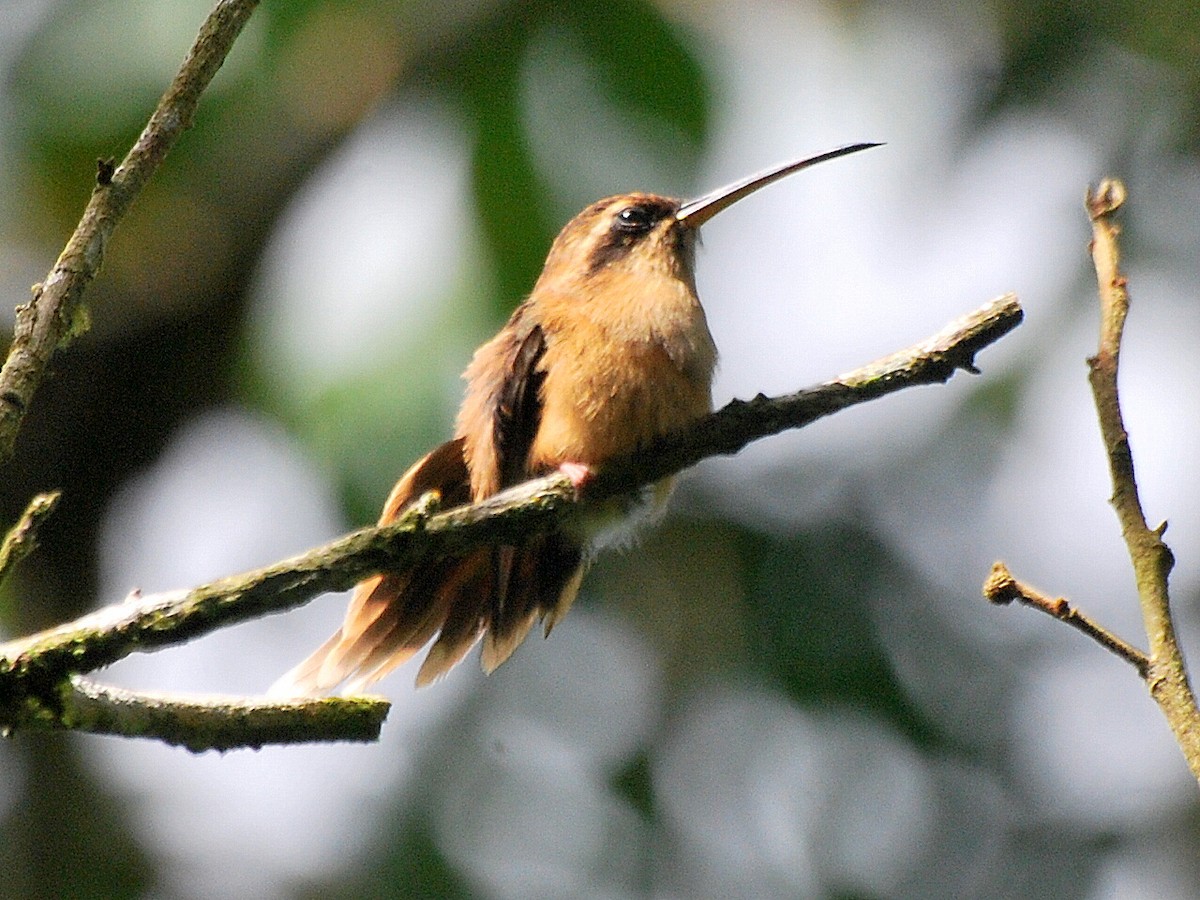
(170, 316)
(644, 66)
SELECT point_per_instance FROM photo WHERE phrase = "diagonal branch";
(34, 669)
(56, 314)
(739, 423)
(21, 539)
(1151, 558)
(1001, 588)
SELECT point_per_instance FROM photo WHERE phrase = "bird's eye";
(634, 219)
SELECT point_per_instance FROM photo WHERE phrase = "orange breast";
(604, 397)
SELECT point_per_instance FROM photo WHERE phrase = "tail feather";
(416, 617)
(366, 617)
(563, 574)
(413, 608)
(305, 679)
(499, 646)
(566, 597)
(494, 593)
(463, 626)
(546, 578)
(513, 614)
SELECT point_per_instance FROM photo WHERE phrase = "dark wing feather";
(516, 415)
(500, 591)
(518, 411)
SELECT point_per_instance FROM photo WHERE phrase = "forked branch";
(1163, 667)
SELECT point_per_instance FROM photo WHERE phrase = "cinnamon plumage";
(610, 350)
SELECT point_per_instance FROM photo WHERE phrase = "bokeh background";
(793, 687)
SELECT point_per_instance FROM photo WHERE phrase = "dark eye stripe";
(631, 219)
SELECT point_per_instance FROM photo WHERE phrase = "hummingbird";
(610, 350)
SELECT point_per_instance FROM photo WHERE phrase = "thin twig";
(739, 423)
(56, 313)
(1152, 559)
(21, 539)
(1002, 588)
(35, 667)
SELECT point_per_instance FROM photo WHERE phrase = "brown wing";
(499, 420)
(498, 590)
(393, 615)
(502, 410)
(518, 409)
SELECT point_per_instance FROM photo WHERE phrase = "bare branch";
(1163, 668)
(215, 723)
(726, 432)
(1002, 588)
(1152, 559)
(203, 723)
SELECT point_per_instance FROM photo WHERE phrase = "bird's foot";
(579, 474)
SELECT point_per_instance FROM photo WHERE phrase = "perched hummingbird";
(610, 350)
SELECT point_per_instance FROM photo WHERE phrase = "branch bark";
(1002, 588)
(35, 669)
(56, 314)
(1163, 669)
(203, 723)
(21, 539)
(1151, 558)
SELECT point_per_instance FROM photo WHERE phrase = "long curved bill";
(695, 213)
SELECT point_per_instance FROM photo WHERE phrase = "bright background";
(793, 687)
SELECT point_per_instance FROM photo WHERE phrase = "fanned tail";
(495, 593)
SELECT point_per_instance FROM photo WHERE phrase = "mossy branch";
(56, 314)
(203, 723)
(36, 670)
(21, 539)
